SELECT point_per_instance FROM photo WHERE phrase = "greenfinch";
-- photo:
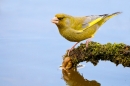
(76, 29)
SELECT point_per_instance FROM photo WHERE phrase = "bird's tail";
(112, 15)
(107, 17)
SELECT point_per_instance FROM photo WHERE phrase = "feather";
(76, 29)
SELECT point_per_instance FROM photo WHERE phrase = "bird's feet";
(68, 53)
(89, 40)
(72, 48)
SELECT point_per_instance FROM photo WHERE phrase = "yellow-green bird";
(76, 29)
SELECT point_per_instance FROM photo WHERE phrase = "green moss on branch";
(117, 53)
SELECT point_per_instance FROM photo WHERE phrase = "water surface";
(31, 48)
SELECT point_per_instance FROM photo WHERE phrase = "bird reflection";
(74, 78)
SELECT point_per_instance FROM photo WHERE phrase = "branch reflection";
(74, 78)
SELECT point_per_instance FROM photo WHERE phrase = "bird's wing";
(94, 19)
(89, 21)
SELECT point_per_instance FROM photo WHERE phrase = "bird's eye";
(60, 18)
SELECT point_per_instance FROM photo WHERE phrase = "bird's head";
(61, 20)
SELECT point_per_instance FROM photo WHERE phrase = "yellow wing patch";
(94, 22)
(90, 24)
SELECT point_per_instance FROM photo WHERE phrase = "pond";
(31, 48)
(26, 63)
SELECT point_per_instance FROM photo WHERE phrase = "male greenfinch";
(76, 29)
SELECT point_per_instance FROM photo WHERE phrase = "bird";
(77, 29)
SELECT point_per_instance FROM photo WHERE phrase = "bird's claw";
(68, 53)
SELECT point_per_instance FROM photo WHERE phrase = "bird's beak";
(55, 20)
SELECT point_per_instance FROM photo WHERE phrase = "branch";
(116, 53)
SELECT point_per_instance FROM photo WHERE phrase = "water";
(28, 63)
(31, 48)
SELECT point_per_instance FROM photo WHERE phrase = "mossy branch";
(117, 53)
